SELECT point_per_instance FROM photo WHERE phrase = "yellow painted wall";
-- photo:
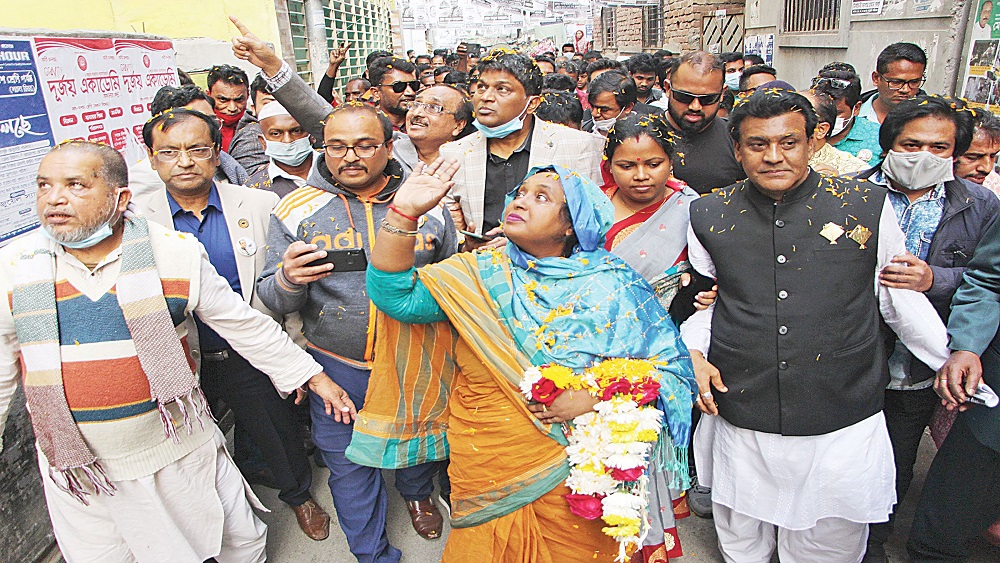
(171, 18)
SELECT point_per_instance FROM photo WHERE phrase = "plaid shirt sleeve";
(279, 79)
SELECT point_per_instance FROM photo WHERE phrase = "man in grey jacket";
(349, 193)
(943, 218)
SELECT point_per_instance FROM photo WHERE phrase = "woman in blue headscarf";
(454, 340)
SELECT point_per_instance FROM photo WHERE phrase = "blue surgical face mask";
(101, 233)
(733, 80)
(292, 154)
(501, 131)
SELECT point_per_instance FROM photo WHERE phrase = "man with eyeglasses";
(858, 137)
(143, 179)
(394, 86)
(231, 223)
(693, 90)
(348, 195)
(899, 74)
(439, 114)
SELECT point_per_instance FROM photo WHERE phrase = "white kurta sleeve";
(10, 367)
(910, 315)
(696, 331)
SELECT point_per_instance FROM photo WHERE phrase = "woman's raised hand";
(425, 187)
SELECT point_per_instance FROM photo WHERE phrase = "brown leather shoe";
(313, 520)
(426, 518)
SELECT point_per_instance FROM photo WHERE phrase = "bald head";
(354, 108)
(113, 169)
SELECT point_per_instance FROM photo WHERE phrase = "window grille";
(652, 26)
(300, 40)
(811, 15)
(608, 23)
(363, 23)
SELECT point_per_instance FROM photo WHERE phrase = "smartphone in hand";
(353, 260)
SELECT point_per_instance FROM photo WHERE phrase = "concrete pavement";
(287, 544)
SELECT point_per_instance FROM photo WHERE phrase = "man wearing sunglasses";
(394, 87)
(899, 74)
(694, 89)
(851, 134)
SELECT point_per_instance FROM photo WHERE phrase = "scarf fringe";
(673, 461)
(68, 481)
(193, 404)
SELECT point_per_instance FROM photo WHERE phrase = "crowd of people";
(431, 270)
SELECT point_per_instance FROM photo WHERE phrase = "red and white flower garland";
(609, 448)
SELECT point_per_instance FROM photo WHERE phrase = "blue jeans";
(359, 492)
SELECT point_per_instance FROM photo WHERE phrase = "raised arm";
(421, 192)
(301, 101)
(337, 56)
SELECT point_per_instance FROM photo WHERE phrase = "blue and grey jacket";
(338, 316)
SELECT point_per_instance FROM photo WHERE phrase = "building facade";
(677, 25)
(810, 33)
(302, 31)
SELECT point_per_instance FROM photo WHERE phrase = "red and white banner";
(145, 66)
(99, 89)
(53, 89)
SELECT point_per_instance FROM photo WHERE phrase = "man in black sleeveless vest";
(799, 459)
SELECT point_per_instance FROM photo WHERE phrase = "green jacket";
(973, 325)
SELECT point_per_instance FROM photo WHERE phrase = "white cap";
(271, 109)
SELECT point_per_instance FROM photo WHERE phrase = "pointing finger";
(239, 25)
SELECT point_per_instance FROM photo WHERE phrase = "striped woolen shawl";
(161, 355)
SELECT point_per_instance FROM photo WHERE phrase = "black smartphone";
(474, 49)
(353, 260)
(470, 234)
(682, 306)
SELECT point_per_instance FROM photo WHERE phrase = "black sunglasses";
(400, 87)
(833, 83)
(703, 99)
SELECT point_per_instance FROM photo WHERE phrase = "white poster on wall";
(145, 67)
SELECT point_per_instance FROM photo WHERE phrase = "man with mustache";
(348, 196)
(796, 448)
(693, 90)
(439, 114)
(230, 88)
(394, 86)
(230, 221)
(349, 193)
(99, 326)
(943, 218)
(978, 163)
